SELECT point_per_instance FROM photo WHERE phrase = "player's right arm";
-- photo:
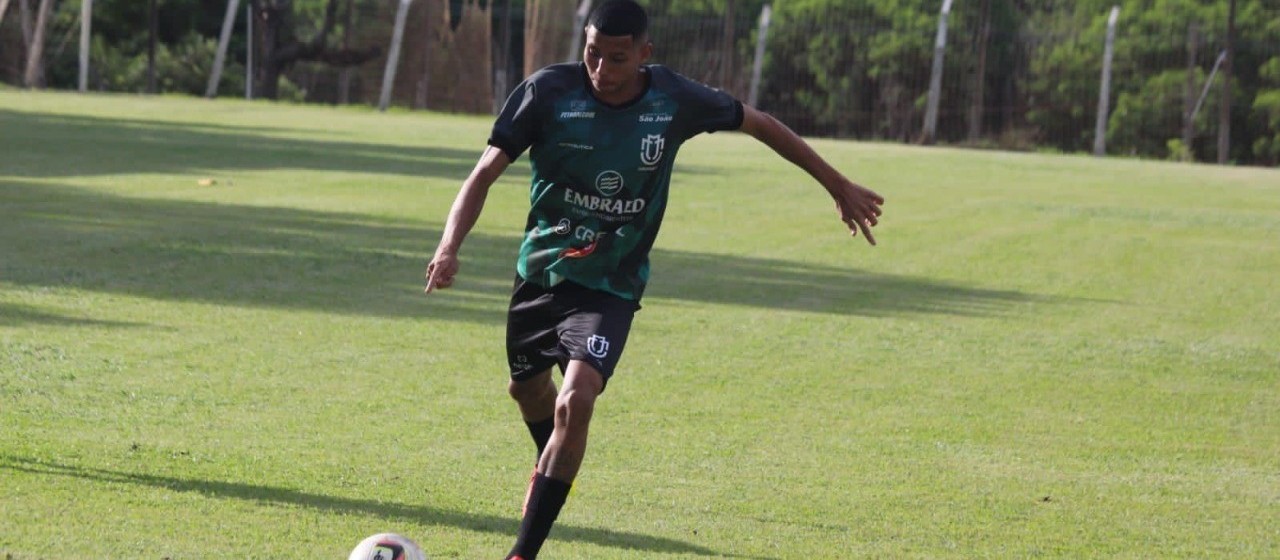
(463, 215)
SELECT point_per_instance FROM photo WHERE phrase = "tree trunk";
(153, 26)
(434, 22)
(502, 72)
(344, 75)
(547, 28)
(977, 102)
(34, 75)
(727, 69)
(280, 49)
(25, 19)
(271, 16)
(4, 7)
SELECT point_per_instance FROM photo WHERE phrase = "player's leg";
(536, 396)
(536, 399)
(593, 335)
(532, 348)
(573, 408)
(562, 458)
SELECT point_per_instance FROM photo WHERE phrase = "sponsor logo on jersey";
(609, 182)
(598, 346)
(618, 206)
(655, 117)
(564, 115)
(562, 228)
(574, 146)
(651, 149)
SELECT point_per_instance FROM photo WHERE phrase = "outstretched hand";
(441, 270)
(859, 207)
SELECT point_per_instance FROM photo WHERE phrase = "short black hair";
(617, 18)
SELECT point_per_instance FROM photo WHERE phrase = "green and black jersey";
(601, 173)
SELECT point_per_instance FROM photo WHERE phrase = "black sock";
(546, 497)
(541, 432)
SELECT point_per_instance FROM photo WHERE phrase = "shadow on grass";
(13, 315)
(342, 263)
(428, 515)
(55, 145)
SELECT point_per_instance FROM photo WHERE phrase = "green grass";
(1047, 356)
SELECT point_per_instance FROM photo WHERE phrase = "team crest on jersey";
(651, 149)
(598, 346)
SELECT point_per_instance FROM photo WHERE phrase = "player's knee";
(529, 389)
(573, 408)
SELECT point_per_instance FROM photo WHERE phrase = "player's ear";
(646, 50)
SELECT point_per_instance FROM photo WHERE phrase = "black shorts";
(548, 327)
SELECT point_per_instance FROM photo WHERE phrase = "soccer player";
(602, 136)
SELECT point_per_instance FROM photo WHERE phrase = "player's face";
(614, 63)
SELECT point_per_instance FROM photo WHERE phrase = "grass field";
(1047, 356)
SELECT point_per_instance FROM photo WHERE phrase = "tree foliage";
(849, 68)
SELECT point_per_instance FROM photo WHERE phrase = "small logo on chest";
(609, 182)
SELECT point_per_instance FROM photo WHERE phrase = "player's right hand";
(441, 270)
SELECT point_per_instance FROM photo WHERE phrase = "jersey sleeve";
(516, 127)
(706, 109)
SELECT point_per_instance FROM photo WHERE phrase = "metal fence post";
(1207, 84)
(1104, 93)
(1224, 106)
(86, 23)
(248, 52)
(393, 57)
(935, 78)
(757, 66)
(219, 59)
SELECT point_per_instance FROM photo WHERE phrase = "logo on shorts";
(598, 346)
(609, 182)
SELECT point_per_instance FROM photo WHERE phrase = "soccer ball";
(387, 546)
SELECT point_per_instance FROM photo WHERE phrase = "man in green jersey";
(602, 137)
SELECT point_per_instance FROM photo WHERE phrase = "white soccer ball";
(387, 546)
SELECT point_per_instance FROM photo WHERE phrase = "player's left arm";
(859, 206)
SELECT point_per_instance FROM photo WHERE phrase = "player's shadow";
(346, 263)
(424, 514)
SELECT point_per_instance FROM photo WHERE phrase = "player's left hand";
(859, 207)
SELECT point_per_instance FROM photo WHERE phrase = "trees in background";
(33, 76)
(1025, 73)
(283, 24)
(1018, 73)
(34, 22)
(548, 26)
